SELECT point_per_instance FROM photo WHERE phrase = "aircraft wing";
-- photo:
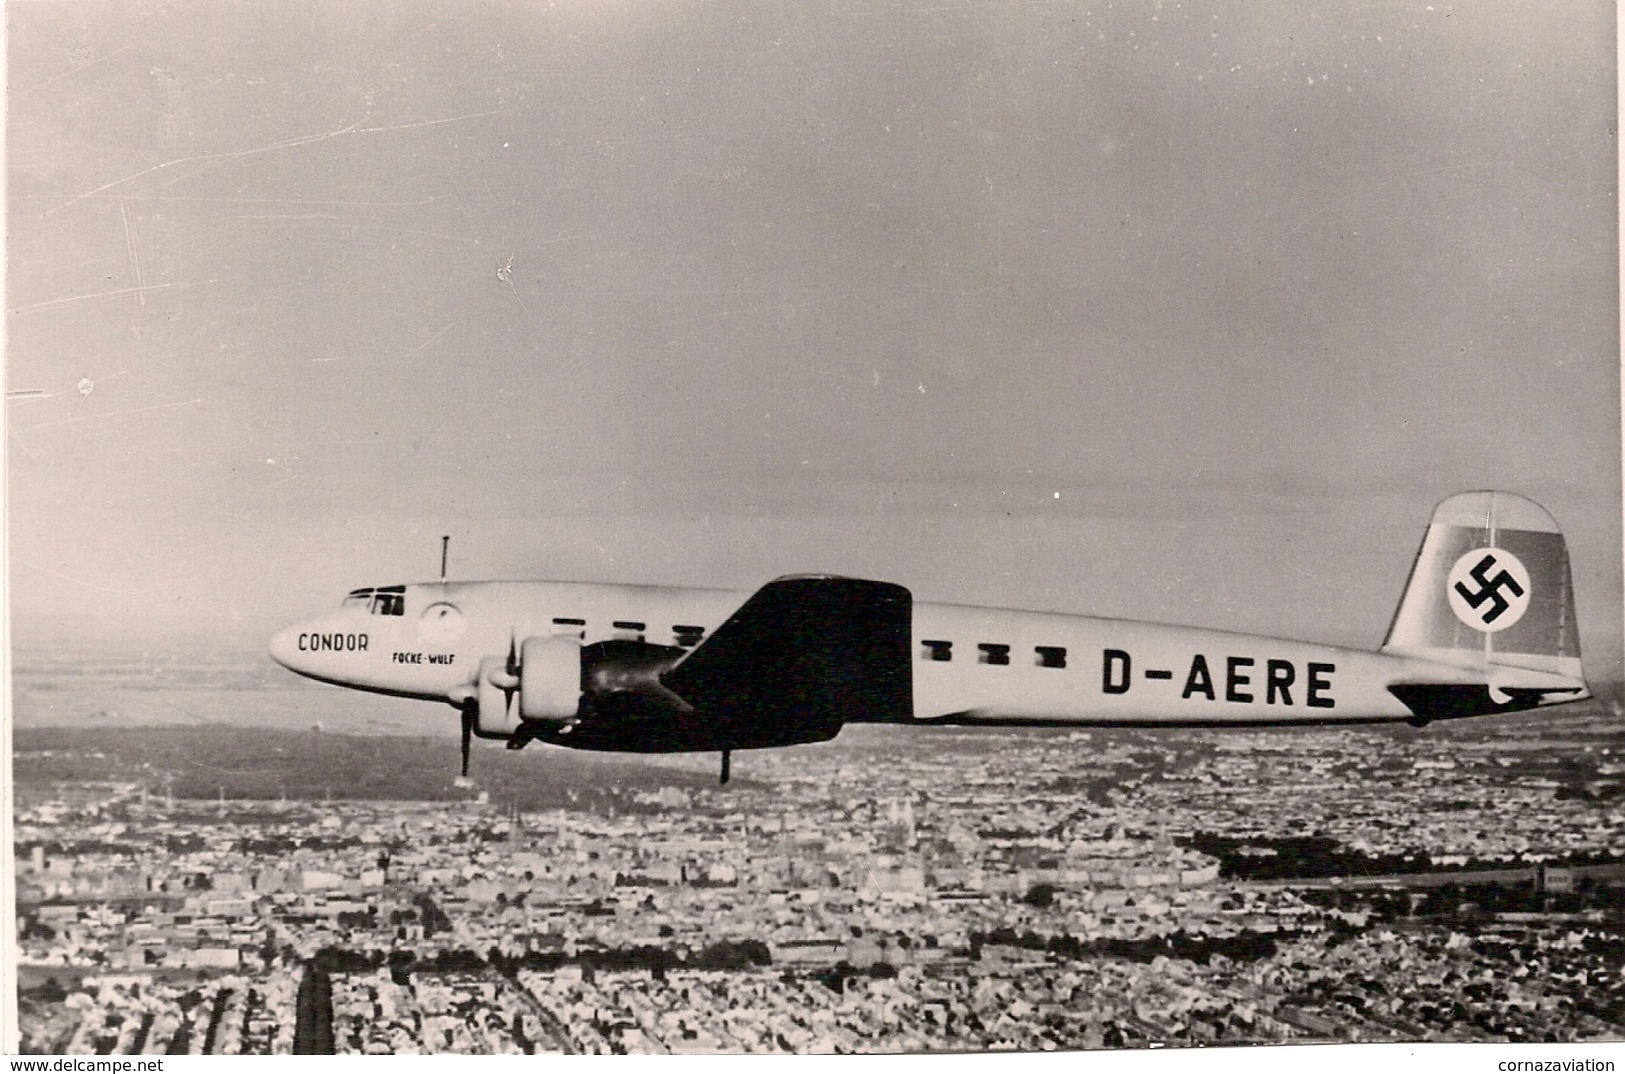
(801, 657)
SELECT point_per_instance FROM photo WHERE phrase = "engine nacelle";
(546, 688)
(550, 678)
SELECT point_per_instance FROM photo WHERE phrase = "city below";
(232, 890)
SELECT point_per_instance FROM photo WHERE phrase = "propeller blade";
(469, 716)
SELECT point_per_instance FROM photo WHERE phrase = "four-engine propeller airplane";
(1486, 625)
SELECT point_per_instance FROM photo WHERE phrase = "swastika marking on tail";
(1488, 589)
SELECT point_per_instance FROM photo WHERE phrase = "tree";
(1040, 896)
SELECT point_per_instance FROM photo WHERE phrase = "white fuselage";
(969, 664)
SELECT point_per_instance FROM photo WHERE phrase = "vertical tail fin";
(1491, 587)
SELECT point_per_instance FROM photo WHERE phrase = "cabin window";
(1051, 656)
(688, 636)
(564, 627)
(937, 650)
(994, 654)
(633, 631)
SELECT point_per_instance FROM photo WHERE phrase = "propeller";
(470, 714)
(506, 680)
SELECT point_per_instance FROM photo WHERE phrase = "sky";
(1184, 312)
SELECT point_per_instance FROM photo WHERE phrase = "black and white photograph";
(711, 527)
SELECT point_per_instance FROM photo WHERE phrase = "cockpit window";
(389, 600)
(385, 600)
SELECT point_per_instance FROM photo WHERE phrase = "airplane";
(1485, 625)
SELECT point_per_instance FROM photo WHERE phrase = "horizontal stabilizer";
(1454, 700)
(801, 657)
